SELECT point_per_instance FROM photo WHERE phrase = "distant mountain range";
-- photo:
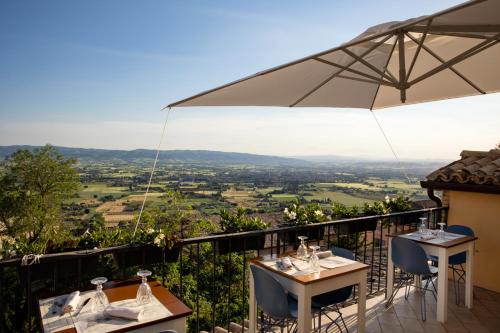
(172, 156)
(208, 157)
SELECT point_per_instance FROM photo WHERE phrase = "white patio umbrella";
(452, 53)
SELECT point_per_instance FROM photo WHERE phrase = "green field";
(101, 189)
(346, 199)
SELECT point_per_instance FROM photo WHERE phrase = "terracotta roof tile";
(474, 167)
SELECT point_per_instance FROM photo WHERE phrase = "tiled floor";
(404, 315)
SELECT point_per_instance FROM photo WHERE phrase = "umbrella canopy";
(452, 53)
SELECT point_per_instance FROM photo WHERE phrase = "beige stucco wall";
(481, 212)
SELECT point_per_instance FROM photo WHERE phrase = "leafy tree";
(32, 189)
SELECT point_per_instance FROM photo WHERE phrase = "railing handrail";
(224, 236)
(52, 257)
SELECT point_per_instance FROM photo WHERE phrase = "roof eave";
(478, 188)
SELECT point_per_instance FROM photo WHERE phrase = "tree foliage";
(32, 189)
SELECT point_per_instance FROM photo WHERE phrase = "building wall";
(481, 212)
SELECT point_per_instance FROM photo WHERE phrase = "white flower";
(292, 215)
(318, 212)
(286, 211)
(159, 238)
(149, 231)
(387, 199)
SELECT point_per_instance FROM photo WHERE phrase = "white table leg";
(304, 309)
(253, 307)
(362, 304)
(390, 271)
(442, 296)
(469, 286)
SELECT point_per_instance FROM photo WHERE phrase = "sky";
(96, 74)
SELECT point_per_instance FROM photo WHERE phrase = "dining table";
(335, 272)
(442, 248)
(164, 312)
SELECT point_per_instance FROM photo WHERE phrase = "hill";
(205, 157)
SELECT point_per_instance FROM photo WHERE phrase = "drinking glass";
(144, 291)
(302, 250)
(422, 229)
(100, 301)
(314, 260)
(441, 233)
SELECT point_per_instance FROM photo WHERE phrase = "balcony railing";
(210, 274)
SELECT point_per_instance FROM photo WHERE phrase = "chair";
(411, 259)
(456, 261)
(274, 301)
(330, 301)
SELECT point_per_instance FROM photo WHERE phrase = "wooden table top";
(314, 277)
(448, 244)
(117, 291)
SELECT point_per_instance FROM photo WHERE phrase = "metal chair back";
(271, 296)
(409, 256)
(459, 258)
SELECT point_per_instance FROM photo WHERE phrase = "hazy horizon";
(96, 74)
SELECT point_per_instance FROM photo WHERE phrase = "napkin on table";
(324, 254)
(124, 312)
(427, 237)
(72, 302)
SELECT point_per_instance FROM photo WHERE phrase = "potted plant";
(297, 215)
(240, 222)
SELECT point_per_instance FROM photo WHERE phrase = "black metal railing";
(210, 274)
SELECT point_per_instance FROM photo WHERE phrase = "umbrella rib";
(374, 78)
(331, 77)
(419, 48)
(344, 68)
(367, 64)
(459, 58)
(385, 68)
(364, 80)
(458, 34)
(458, 28)
(463, 77)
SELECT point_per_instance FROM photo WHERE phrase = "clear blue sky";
(96, 74)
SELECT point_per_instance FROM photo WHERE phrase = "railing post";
(2, 313)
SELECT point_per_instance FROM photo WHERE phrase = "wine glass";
(422, 229)
(302, 250)
(441, 233)
(100, 301)
(314, 260)
(144, 292)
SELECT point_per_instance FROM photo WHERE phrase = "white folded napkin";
(72, 302)
(124, 312)
(286, 262)
(427, 237)
(324, 254)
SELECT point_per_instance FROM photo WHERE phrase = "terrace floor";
(404, 315)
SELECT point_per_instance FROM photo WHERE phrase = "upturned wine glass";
(144, 292)
(314, 260)
(441, 233)
(422, 229)
(100, 301)
(302, 250)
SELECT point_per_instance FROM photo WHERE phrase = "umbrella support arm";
(442, 61)
(403, 85)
